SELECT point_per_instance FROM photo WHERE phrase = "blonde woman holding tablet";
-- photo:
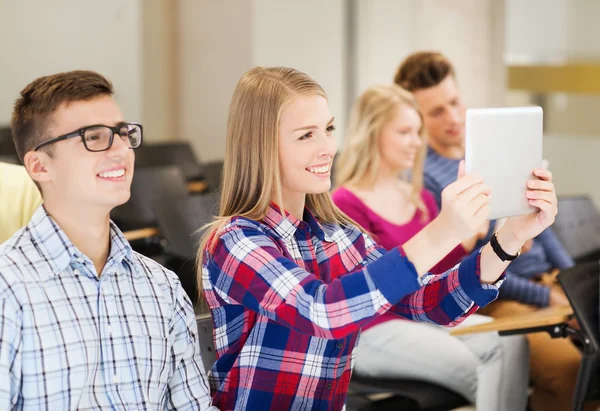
(290, 280)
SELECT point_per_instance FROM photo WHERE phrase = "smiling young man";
(86, 322)
(431, 77)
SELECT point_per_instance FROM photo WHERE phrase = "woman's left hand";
(542, 195)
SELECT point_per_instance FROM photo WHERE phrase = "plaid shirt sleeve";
(10, 355)
(448, 298)
(187, 389)
(248, 268)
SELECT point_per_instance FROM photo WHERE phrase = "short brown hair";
(422, 70)
(42, 97)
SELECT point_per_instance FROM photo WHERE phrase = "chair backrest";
(11, 159)
(213, 174)
(179, 221)
(582, 286)
(179, 154)
(577, 226)
(205, 339)
(148, 185)
(7, 146)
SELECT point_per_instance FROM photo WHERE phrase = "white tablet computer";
(504, 145)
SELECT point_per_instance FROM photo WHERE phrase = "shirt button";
(76, 271)
(115, 379)
(328, 386)
(109, 329)
(340, 345)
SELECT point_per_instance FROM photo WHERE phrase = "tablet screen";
(504, 145)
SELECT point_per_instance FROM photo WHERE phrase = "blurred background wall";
(175, 63)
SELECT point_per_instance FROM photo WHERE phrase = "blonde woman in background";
(290, 280)
(379, 177)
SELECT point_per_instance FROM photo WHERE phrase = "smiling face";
(306, 148)
(399, 139)
(72, 175)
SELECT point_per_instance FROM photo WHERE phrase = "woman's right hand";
(465, 206)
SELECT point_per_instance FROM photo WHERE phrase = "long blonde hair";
(251, 175)
(360, 160)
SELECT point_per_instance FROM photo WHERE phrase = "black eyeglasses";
(100, 137)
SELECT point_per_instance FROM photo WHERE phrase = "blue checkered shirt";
(125, 340)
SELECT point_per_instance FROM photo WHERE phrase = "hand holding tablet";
(504, 146)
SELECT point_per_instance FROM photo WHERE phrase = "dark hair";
(423, 70)
(42, 97)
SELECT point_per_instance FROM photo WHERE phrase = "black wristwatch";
(503, 255)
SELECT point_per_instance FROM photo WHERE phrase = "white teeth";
(113, 173)
(319, 170)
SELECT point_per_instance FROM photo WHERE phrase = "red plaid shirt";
(288, 299)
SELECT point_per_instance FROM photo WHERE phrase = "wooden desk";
(141, 233)
(197, 186)
(544, 317)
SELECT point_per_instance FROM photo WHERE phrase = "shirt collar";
(432, 152)
(59, 252)
(120, 249)
(286, 224)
